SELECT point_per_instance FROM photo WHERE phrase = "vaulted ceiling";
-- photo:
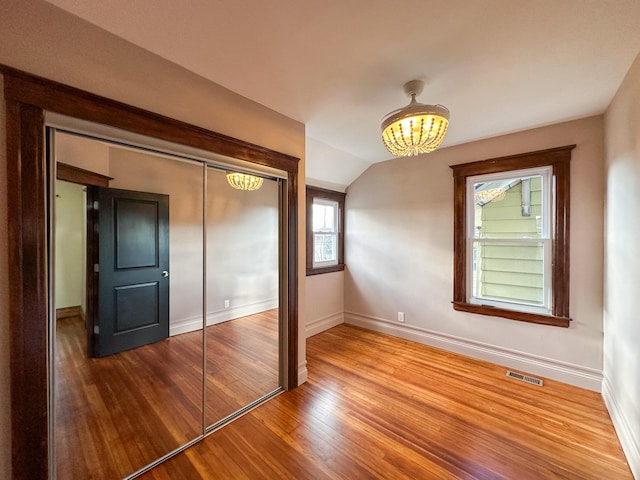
(338, 66)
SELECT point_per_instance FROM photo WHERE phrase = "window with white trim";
(511, 236)
(325, 230)
(509, 240)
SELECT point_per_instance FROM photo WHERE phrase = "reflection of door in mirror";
(129, 383)
(117, 414)
(133, 269)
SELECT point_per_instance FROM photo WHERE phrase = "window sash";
(547, 196)
(331, 204)
(323, 256)
(544, 308)
(326, 232)
(544, 239)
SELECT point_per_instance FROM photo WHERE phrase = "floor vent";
(524, 378)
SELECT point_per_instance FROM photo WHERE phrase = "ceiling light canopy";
(243, 181)
(416, 128)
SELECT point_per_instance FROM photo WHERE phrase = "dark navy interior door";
(133, 271)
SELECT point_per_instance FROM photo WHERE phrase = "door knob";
(165, 274)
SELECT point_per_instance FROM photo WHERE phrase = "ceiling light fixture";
(416, 128)
(243, 181)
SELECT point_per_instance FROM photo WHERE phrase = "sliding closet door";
(242, 282)
(115, 413)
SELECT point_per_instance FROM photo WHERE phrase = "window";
(511, 237)
(508, 239)
(325, 231)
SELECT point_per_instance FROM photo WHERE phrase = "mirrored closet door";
(243, 321)
(166, 289)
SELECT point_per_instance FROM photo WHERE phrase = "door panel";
(133, 299)
(137, 306)
(136, 224)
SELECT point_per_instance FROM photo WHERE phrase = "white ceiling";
(338, 66)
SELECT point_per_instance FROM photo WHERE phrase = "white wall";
(324, 302)
(82, 152)
(242, 248)
(399, 256)
(622, 265)
(70, 245)
(41, 39)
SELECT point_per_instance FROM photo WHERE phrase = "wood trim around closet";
(27, 98)
(28, 300)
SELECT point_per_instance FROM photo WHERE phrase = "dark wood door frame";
(27, 98)
(80, 176)
(73, 174)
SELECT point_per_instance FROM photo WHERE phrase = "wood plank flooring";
(117, 414)
(378, 407)
(242, 363)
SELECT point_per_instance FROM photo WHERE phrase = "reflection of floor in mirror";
(379, 407)
(242, 363)
(114, 415)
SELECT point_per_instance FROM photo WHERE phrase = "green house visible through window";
(325, 231)
(510, 243)
(511, 236)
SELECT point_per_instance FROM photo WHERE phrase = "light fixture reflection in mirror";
(243, 181)
(242, 282)
(117, 412)
(120, 409)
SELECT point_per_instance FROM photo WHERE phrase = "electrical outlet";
(401, 316)
(226, 303)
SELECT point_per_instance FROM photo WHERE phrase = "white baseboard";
(579, 376)
(325, 323)
(303, 373)
(628, 440)
(232, 313)
(185, 325)
(191, 324)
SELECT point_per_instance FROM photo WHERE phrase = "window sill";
(318, 271)
(512, 314)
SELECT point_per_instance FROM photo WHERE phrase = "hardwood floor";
(242, 363)
(117, 414)
(381, 407)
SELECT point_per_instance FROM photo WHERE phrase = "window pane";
(324, 216)
(325, 247)
(509, 271)
(509, 208)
